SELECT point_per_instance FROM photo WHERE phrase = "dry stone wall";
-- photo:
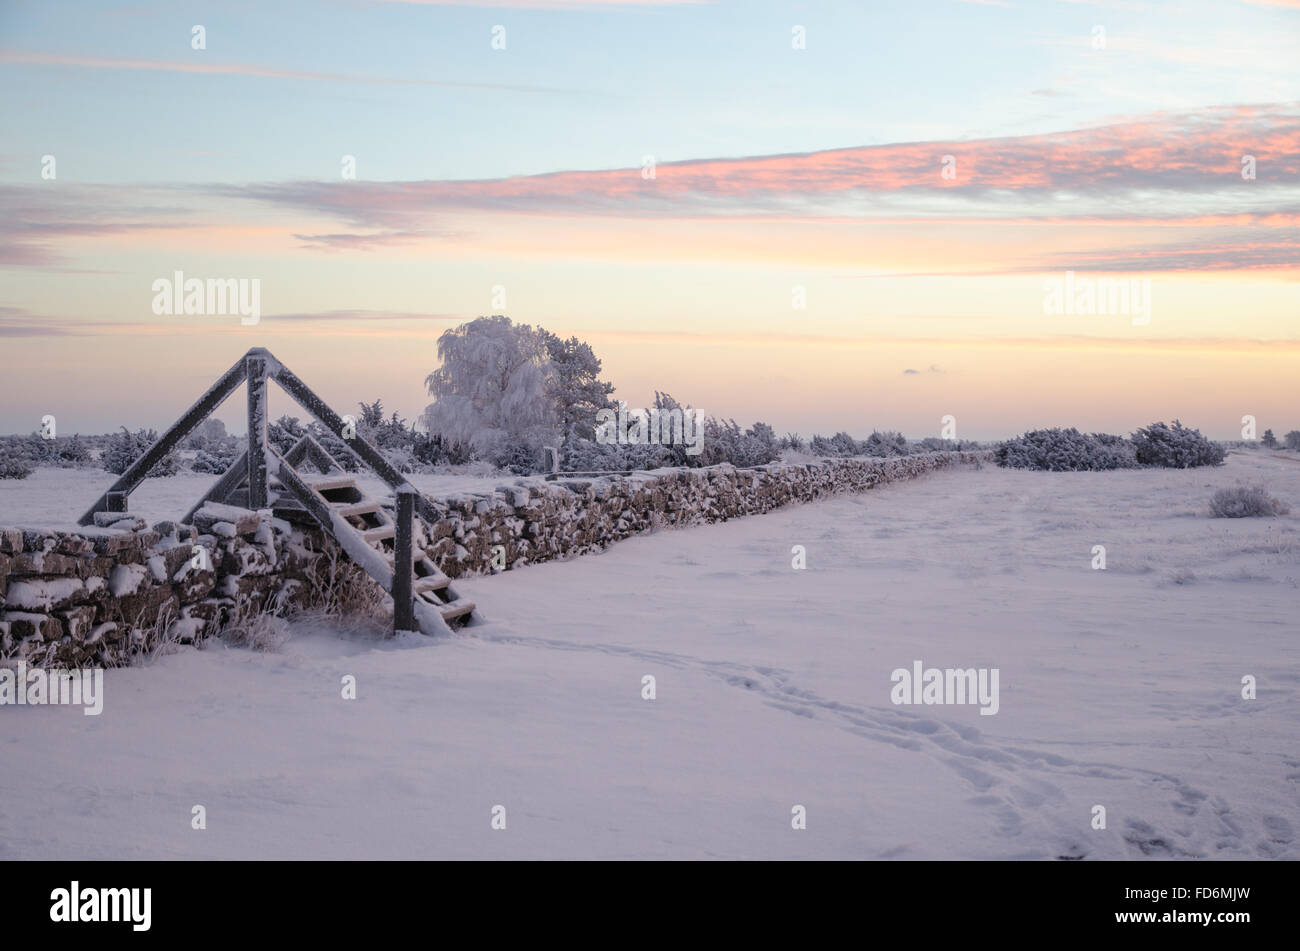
(540, 521)
(94, 597)
(97, 596)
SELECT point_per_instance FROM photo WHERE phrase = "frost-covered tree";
(1268, 439)
(491, 389)
(1293, 439)
(574, 387)
(372, 414)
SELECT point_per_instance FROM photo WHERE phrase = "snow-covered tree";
(491, 390)
(575, 387)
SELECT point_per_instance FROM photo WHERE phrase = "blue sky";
(596, 86)
(478, 168)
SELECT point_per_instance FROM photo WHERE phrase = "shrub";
(126, 447)
(284, 432)
(74, 454)
(725, 441)
(1242, 502)
(841, 444)
(888, 443)
(1175, 447)
(214, 461)
(515, 455)
(432, 450)
(1066, 450)
(13, 467)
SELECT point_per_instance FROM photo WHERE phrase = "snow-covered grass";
(1119, 688)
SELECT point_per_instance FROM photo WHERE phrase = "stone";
(78, 621)
(25, 625)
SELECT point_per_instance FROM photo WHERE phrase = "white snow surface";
(1119, 688)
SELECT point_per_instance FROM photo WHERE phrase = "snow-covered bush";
(1175, 447)
(215, 460)
(1242, 502)
(284, 432)
(587, 455)
(12, 465)
(1292, 439)
(433, 450)
(518, 456)
(1066, 450)
(74, 454)
(126, 447)
(841, 444)
(725, 441)
(888, 443)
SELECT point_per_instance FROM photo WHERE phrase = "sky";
(826, 216)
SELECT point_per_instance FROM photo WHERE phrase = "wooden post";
(255, 373)
(404, 561)
(115, 501)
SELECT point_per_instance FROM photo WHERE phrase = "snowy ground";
(1118, 688)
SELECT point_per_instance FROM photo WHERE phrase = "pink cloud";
(1188, 154)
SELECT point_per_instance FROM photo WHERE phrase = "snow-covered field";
(1119, 688)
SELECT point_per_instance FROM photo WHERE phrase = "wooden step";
(431, 583)
(455, 609)
(372, 535)
(353, 509)
(331, 482)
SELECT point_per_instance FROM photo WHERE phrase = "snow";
(1118, 688)
(35, 594)
(126, 579)
(222, 512)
